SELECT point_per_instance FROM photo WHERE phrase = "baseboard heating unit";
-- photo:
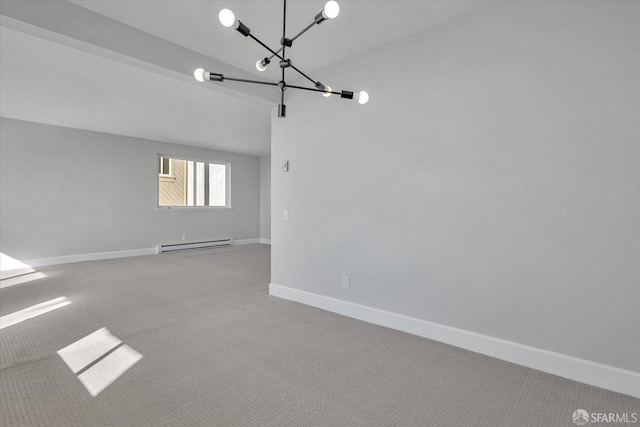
(204, 244)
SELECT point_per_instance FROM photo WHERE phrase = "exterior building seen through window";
(192, 183)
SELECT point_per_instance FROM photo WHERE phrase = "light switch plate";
(285, 166)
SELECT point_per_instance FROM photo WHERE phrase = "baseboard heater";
(184, 246)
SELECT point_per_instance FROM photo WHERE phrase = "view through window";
(164, 166)
(191, 183)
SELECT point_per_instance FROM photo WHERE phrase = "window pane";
(164, 166)
(190, 183)
(172, 186)
(200, 184)
(217, 185)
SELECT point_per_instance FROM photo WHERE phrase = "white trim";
(67, 259)
(245, 242)
(265, 241)
(585, 371)
(97, 256)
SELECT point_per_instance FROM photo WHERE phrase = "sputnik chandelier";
(228, 19)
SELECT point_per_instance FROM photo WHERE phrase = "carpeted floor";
(217, 350)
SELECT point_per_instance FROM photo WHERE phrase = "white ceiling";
(54, 76)
(360, 27)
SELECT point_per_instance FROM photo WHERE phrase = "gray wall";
(491, 183)
(265, 197)
(66, 191)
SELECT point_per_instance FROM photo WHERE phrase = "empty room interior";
(319, 213)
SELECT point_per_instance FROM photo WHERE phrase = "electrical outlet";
(285, 215)
(184, 237)
(285, 166)
(346, 282)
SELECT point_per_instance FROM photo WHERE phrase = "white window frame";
(195, 160)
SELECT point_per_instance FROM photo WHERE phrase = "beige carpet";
(217, 350)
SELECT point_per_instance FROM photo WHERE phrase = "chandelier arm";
(233, 79)
(274, 54)
(281, 58)
(303, 31)
(266, 47)
(313, 89)
(294, 38)
(303, 74)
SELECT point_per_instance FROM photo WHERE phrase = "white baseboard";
(585, 371)
(265, 241)
(67, 259)
(245, 242)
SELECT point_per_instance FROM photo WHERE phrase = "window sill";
(190, 208)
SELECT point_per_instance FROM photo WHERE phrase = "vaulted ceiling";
(125, 67)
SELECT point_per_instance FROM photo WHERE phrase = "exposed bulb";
(227, 18)
(362, 97)
(259, 65)
(327, 93)
(199, 74)
(331, 9)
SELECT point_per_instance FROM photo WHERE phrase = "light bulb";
(331, 9)
(362, 97)
(327, 93)
(227, 18)
(259, 65)
(199, 74)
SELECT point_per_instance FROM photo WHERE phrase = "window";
(193, 183)
(164, 166)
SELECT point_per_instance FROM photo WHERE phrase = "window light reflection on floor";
(8, 263)
(109, 369)
(97, 361)
(15, 272)
(33, 311)
(19, 280)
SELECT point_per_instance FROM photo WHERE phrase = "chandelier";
(228, 19)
